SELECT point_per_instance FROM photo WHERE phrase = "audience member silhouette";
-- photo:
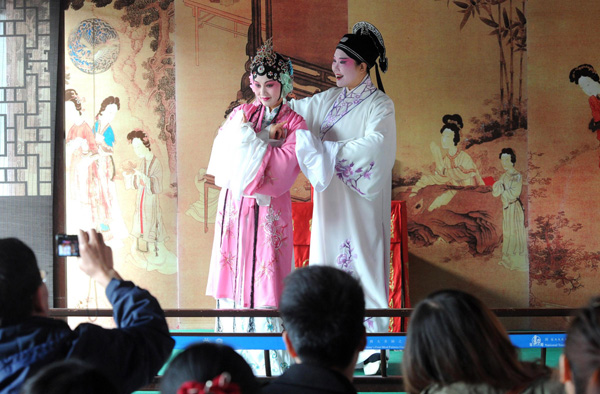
(209, 368)
(70, 376)
(323, 310)
(580, 362)
(130, 356)
(455, 344)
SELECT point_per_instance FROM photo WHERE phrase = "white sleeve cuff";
(316, 159)
(236, 157)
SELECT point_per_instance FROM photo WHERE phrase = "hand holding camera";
(96, 257)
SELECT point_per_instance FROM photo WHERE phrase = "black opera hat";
(365, 45)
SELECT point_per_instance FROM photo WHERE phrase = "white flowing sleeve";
(365, 164)
(236, 155)
(303, 106)
(310, 108)
(316, 158)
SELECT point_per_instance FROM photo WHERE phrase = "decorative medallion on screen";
(93, 46)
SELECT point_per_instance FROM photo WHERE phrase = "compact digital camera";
(67, 245)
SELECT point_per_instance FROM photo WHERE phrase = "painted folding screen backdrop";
(503, 67)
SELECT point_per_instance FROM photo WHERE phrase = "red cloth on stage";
(302, 221)
(398, 297)
(398, 294)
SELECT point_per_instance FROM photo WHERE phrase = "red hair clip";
(219, 385)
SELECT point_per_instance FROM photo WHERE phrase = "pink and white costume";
(253, 246)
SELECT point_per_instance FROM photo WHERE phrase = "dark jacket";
(310, 379)
(129, 355)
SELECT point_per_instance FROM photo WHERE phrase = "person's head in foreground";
(323, 310)
(455, 343)
(580, 362)
(209, 368)
(22, 291)
(355, 55)
(70, 376)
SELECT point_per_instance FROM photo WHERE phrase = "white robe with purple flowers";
(348, 156)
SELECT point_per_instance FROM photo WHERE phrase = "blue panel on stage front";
(538, 340)
(236, 342)
(396, 342)
(388, 342)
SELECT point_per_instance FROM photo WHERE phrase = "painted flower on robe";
(368, 173)
(345, 258)
(350, 175)
(227, 261)
(267, 269)
(274, 232)
(344, 170)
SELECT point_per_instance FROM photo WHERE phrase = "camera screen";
(67, 245)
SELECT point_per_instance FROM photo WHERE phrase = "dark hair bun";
(455, 120)
(583, 70)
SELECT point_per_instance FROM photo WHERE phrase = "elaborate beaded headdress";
(274, 66)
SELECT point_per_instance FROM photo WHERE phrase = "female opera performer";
(348, 156)
(253, 159)
(587, 78)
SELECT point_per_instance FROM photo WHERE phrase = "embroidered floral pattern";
(350, 176)
(346, 102)
(230, 214)
(274, 232)
(227, 261)
(219, 221)
(267, 178)
(266, 270)
(270, 324)
(345, 258)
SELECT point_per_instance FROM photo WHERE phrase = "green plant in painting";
(508, 25)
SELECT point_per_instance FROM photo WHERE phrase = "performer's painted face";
(507, 163)
(268, 91)
(447, 139)
(588, 85)
(347, 72)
